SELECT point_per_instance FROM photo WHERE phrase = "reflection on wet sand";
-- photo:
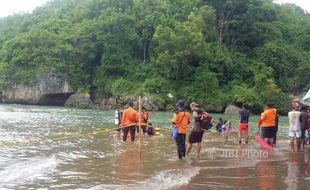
(297, 169)
(307, 162)
(266, 176)
(129, 162)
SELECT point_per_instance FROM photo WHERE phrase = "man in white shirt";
(294, 128)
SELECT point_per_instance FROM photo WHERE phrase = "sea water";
(63, 148)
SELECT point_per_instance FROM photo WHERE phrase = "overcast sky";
(8, 7)
(305, 4)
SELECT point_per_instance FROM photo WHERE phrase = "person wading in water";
(244, 115)
(129, 120)
(268, 122)
(197, 132)
(303, 118)
(181, 118)
(294, 128)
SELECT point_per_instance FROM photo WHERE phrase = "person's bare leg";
(298, 142)
(188, 148)
(302, 142)
(198, 149)
(239, 137)
(271, 142)
(292, 143)
(246, 137)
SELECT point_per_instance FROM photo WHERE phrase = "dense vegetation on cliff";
(212, 51)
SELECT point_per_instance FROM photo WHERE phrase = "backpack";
(204, 119)
(150, 131)
(206, 123)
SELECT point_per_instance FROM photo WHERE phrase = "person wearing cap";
(196, 133)
(268, 122)
(180, 105)
(181, 118)
(128, 122)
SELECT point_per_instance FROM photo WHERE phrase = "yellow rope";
(136, 124)
(53, 139)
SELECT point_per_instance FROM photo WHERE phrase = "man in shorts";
(196, 133)
(268, 122)
(304, 126)
(244, 115)
(294, 128)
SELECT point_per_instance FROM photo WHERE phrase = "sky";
(8, 7)
(305, 4)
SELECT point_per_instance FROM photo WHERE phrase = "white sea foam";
(29, 170)
(72, 155)
(170, 179)
(160, 181)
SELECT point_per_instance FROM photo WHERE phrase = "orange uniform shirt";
(144, 117)
(268, 117)
(129, 117)
(181, 120)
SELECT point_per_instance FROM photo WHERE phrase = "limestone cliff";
(52, 89)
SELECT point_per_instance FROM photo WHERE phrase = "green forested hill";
(212, 51)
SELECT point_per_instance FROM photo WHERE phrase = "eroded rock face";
(214, 109)
(79, 100)
(120, 102)
(233, 110)
(53, 89)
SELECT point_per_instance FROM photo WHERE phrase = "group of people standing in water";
(129, 119)
(202, 122)
(299, 122)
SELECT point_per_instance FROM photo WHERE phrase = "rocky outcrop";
(214, 109)
(232, 110)
(150, 104)
(79, 100)
(109, 103)
(53, 89)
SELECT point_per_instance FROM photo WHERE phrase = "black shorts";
(195, 137)
(303, 133)
(268, 132)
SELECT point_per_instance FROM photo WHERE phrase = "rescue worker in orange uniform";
(129, 122)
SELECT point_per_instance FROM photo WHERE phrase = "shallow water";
(62, 148)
